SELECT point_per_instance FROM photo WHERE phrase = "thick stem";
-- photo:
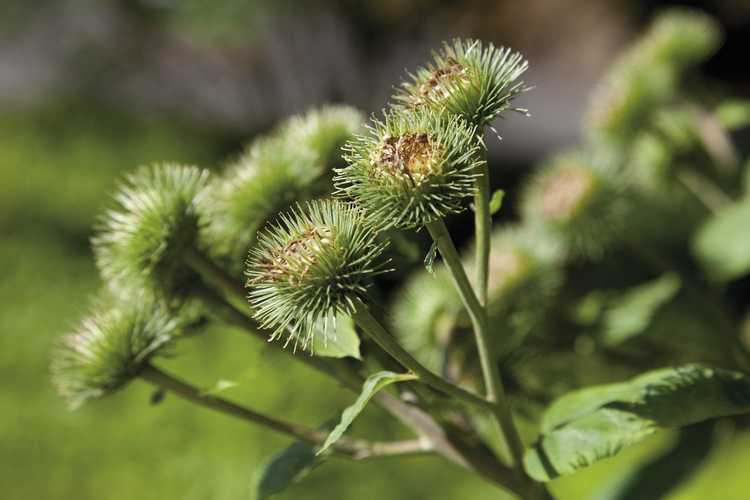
(478, 315)
(357, 449)
(482, 228)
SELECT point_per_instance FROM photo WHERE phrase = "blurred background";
(90, 89)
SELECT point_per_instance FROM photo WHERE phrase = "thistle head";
(411, 168)
(323, 132)
(579, 199)
(474, 80)
(274, 172)
(108, 348)
(267, 178)
(424, 315)
(314, 263)
(646, 74)
(141, 240)
(524, 274)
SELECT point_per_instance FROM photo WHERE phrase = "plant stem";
(370, 325)
(482, 228)
(236, 312)
(357, 449)
(478, 315)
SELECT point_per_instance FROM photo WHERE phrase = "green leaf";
(590, 424)
(340, 342)
(733, 113)
(656, 478)
(631, 313)
(429, 259)
(285, 468)
(496, 201)
(373, 384)
(722, 245)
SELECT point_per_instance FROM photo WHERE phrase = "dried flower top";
(315, 263)
(468, 78)
(411, 168)
(155, 218)
(109, 347)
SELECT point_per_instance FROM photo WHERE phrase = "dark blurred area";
(90, 89)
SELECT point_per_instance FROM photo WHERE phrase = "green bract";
(314, 263)
(274, 172)
(108, 348)
(141, 241)
(578, 198)
(411, 168)
(475, 80)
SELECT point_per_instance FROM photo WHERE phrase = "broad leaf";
(373, 384)
(656, 478)
(496, 202)
(595, 423)
(631, 313)
(722, 245)
(285, 468)
(336, 340)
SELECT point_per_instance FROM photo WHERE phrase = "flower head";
(580, 199)
(323, 132)
(141, 240)
(475, 80)
(646, 75)
(108, 348)
(411, 168)
(275, 171)
(315, 262)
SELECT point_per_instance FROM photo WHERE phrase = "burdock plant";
(482, 343)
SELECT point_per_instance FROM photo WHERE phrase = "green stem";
(233, 309)
(478, 315)
(482, 228)
(357, 449)
(372, 327)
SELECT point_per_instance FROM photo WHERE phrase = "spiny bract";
(315, 262)
(474, 80)
(142, 240)
(108, 348)
(411, 168)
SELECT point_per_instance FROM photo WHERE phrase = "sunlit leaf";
(337, 340)
(590, 424)
(722, 245)
(373, 384)
(496, 202)
(631, 312)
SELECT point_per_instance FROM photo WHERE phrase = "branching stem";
(357, 449)
(478, 315)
